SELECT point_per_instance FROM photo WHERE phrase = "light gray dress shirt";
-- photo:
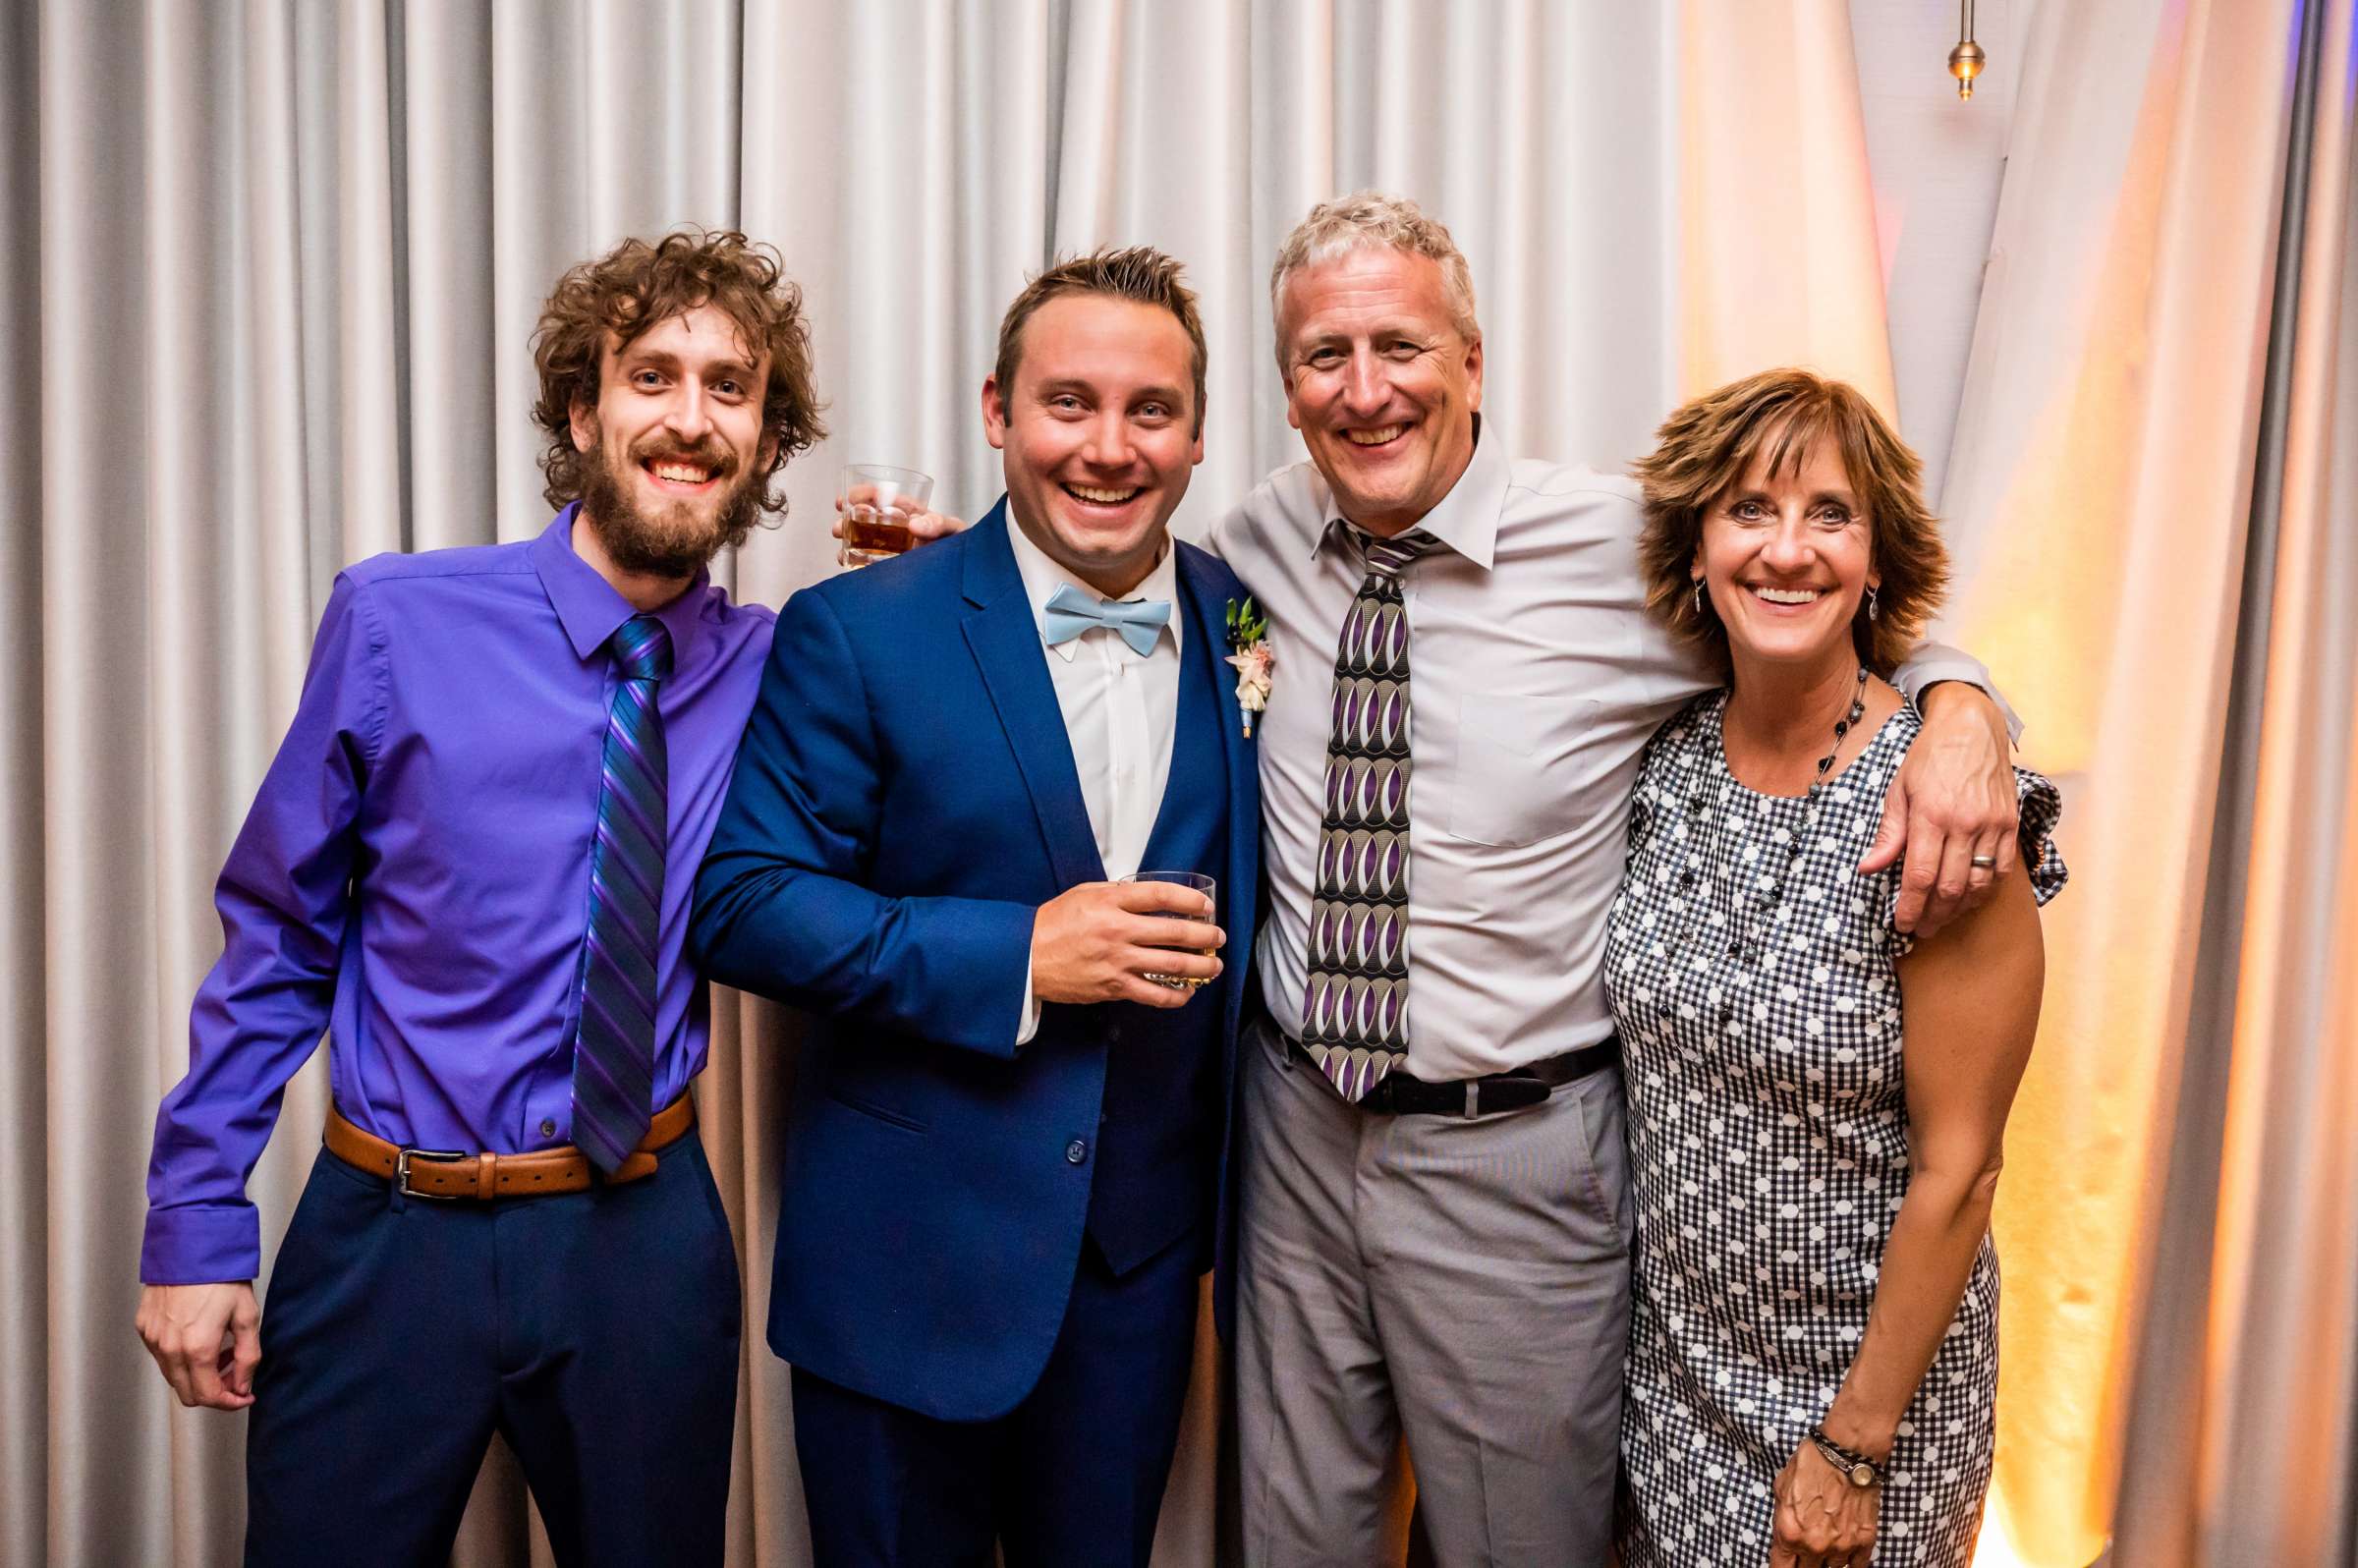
(1537, 678)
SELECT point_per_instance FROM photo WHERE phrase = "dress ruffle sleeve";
(2042, 806)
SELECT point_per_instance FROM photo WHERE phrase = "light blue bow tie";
(1072, 612)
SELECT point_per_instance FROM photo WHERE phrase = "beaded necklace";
(1858, 711)
(1753, 912)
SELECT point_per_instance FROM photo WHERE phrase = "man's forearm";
(1936, 675)
(948, 970)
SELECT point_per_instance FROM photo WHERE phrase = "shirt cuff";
(208, 1244)
(1031, 1026)
(1933, 662)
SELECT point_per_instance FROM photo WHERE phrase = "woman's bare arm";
(1970, 1000)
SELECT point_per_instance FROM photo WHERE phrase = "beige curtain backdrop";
(2252, 1343)
(2153, 484)
(271, 266)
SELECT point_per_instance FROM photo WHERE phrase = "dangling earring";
(1699, 598)
(1873, 608)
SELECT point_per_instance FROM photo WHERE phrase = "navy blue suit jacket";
(904, 800)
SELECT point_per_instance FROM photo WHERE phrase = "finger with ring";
(1981, 868)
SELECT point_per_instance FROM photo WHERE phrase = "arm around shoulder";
(1953, 808)
(1934, 664)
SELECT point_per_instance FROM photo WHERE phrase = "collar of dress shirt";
(589, 607)
(1042, 576)
(1467, 518)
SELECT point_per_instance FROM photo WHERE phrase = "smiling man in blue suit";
(1009, 1135)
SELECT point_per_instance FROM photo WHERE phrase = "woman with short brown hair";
(1817, 1101)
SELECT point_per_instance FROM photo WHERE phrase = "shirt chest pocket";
(1523, 772)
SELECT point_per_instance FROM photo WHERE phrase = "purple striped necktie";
(1355, 1010)
(614, 1055)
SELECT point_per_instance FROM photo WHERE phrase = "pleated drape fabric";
(2253, 1340)
(270, 269)
(2150, 490)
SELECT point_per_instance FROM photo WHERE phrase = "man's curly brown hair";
(1711, 442)
(636, 286)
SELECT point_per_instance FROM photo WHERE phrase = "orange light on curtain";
(2099, 481)
(1779, 261)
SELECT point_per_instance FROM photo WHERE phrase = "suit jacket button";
(548, 1128)
(1076, 1152)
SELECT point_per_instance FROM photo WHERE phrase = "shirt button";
(548, 1128)
(1076, 1152)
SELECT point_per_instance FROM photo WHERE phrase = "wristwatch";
(1856, 1467)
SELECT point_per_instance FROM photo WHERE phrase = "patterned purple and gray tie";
(1355, 1011)
(614, 1055)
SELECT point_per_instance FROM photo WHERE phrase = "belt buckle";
(1512, 1091)
(401, 1172)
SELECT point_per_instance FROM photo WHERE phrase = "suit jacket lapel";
(1005, 640)
(1207, 619)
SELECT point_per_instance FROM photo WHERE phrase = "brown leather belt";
(444, 1173)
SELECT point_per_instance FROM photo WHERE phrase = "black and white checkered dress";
(1753, 982)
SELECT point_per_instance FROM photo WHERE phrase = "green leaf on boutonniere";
(1245, 624)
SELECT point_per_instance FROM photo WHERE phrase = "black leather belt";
(1399, 1094)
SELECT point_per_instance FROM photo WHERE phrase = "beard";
(672, 541)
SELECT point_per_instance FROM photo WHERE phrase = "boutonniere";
(1249, 654)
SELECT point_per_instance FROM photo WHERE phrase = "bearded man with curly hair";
(470, 867)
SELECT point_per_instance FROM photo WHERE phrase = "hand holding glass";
(876, 501)
(1201, 884)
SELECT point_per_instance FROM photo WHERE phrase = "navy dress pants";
(1072, 1477)
(597, 1331)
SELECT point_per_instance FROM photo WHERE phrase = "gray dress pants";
(1462, 1285)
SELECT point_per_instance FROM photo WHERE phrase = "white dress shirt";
(1121, 710)
(1536, 680)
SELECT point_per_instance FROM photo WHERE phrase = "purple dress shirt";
(414, 878)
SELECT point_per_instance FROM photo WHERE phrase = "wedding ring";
(1984, 862)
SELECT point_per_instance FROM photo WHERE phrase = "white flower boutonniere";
(1249, 655)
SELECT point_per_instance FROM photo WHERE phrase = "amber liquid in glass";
(873, 533)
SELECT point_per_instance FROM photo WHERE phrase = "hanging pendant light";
(1966, 60)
